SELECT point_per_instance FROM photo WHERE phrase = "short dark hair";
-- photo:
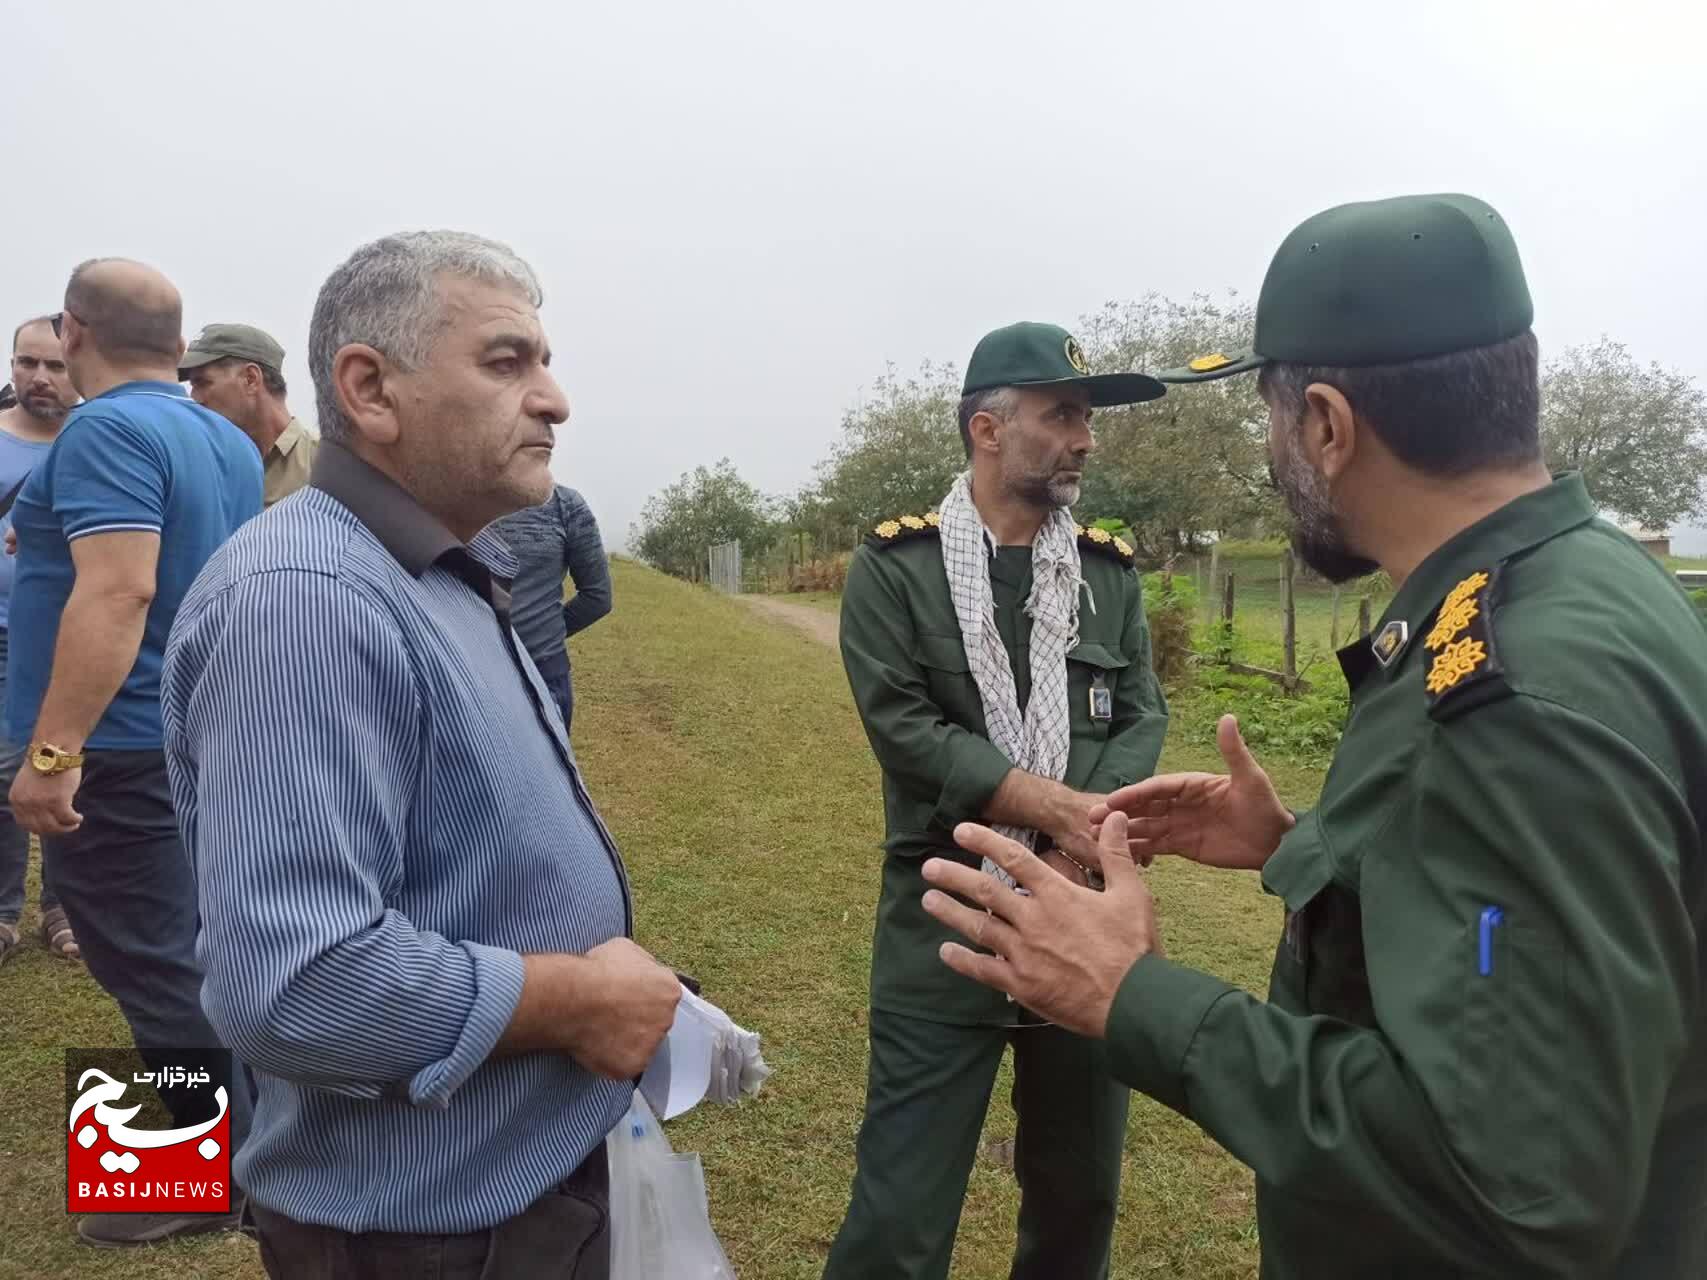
(1444, 415)
(19, 331)
(125, 323)
(271, 378)
(994, 400)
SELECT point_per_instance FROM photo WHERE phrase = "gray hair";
(998, 402)
(386, 296)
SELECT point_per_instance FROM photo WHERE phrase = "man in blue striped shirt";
(414, 924)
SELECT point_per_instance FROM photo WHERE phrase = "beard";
(1045, 487)
(44, 405)
(1318, 534)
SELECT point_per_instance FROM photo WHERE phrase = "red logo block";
(113, 1168)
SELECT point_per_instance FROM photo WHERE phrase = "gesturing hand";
(1060, 949)
(1222, 820)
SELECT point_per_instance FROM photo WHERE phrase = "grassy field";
(726, 755)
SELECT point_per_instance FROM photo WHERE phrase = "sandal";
(9, 941)
(56, 934)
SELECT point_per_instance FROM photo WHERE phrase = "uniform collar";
(1516, 527)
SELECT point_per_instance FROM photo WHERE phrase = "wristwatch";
(49, 759)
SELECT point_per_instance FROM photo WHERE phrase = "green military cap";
(1045, 355)
(1383, 282)
(232, 342)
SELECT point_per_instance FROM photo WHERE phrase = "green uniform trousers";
(929, 1087)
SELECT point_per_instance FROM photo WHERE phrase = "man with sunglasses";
(141, 486)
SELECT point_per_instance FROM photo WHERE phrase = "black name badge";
(1102, 701)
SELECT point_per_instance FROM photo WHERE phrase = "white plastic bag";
(660, 1227)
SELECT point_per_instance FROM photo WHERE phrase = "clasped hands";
(1062, 949)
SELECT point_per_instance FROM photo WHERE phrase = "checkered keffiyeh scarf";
(1036, 741)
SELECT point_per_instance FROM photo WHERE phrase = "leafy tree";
(900, 451)
(706, 506)
(1638, 434)
(1194, 462)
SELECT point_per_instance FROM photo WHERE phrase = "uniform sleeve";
(313, 974)
(1498, 1121)
(913, 741)
(108, 477)
(588, 566)
(1140, 720)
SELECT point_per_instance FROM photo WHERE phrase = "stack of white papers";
(705, 1056)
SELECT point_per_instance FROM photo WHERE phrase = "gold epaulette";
(1103, 541)
(1464, 670)
(903, 529)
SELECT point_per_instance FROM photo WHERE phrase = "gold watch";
(49, 759)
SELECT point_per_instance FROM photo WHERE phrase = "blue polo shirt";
(143, 456)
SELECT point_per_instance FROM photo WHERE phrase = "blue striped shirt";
(382, 820)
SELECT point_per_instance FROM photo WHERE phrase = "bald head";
(132, 312)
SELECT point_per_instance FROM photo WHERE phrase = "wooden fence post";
(1214, 572)
(1363, 616)
(1288, 620)
(1227, 619)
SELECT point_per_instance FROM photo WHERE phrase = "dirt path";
(820, 624)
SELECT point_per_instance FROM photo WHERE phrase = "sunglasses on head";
(57, 320)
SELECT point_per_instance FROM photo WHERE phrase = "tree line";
(1178, 470)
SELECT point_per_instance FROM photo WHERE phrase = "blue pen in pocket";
(1491, 916)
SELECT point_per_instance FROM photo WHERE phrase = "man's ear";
(1328, 431)
(360, 378)
(983, 430)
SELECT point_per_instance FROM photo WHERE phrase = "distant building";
(1658, 544)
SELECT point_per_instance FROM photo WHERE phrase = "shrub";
(1304, 728)
(1170, 605)
(827, 573)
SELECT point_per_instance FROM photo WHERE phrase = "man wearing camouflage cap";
(1000, 661)
(236, 370)
(1484, 1051)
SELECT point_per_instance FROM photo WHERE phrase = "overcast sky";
(742, 211)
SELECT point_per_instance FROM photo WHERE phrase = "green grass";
(1675, 563)
(726, 755)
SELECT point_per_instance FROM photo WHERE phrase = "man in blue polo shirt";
(140, 488)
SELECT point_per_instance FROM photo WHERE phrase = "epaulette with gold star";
(1462, 667)
(1101, 540)
(904, 529)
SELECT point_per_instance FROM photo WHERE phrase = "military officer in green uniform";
(1000, 661)
(1484, 1050)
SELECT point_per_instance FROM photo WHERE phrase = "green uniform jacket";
(916, 695)
(1484, 1051)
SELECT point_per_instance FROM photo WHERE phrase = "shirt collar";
(289, 438)
(146, 386)
(1516, 527)
(414, 537)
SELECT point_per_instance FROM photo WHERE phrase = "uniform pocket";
(1296, 873)
(949, 676)
(1091, 666)
(1511, 1064)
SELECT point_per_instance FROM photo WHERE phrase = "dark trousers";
(564, 1235)
(554, 670)
(925, 1102)
(125, 883)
